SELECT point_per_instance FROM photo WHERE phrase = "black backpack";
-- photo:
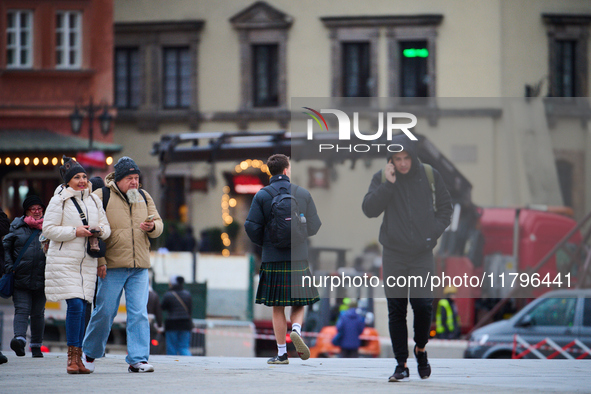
(287, 225)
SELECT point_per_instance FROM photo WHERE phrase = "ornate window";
(263, 39)
(357, 80)
(567, 48)
(127, 78)
(176, 80)
(156, 68)
(265, 91)
(353, 58)
(411, 54)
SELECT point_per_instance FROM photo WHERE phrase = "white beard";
(133, 195)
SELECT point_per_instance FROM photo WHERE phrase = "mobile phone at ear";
(150, 218)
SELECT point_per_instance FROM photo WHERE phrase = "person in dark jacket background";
(282, 269)
(4, 229)
(155, 309)
(415, 216)
(178, 324)
(29, 276)
(350, 326)
(97, 182)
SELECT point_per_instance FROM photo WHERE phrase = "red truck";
(504, 247)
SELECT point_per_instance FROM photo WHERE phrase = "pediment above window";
(567, 19)
(261, 15)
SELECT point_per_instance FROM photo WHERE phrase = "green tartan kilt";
(280, 284)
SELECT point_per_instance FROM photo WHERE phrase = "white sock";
(281, 349)
(297, 328)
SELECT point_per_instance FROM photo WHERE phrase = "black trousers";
(29, 303)
(406, 277)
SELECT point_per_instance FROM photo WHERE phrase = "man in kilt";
(282, 269)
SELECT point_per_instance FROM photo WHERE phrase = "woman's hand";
(82, 231)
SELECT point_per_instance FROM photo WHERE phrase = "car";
(561, 315)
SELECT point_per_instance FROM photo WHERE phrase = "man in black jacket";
(415, 216)
(282, 268)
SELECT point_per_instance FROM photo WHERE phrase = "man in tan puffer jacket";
(134, 218)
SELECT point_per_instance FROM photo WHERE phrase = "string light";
(30, 160)
(227, 202)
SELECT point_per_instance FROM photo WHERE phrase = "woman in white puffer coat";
(70, 273)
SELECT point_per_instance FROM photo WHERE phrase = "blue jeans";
(135, 281)
(75, 321)
(177, 342)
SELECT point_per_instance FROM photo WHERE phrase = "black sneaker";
(37, 353)
(400, 374)
(424, 367)
(278, 360)
(3, 358)
(18, 345)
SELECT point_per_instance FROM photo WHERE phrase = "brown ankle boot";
(81, 367)
(72, 365)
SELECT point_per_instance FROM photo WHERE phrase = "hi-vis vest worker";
(446, 318)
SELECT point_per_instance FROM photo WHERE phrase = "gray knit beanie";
(124, 167)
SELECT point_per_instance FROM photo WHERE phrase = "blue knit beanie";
(124, 167)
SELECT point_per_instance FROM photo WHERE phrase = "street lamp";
(77, 117)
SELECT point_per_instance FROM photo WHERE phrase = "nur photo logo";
(345, 131)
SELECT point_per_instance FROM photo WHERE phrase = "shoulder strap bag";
(103, 247)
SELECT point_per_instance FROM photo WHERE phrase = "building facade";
(56, 66)
(505, 75)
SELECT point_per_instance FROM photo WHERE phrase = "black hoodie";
(410, 226)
